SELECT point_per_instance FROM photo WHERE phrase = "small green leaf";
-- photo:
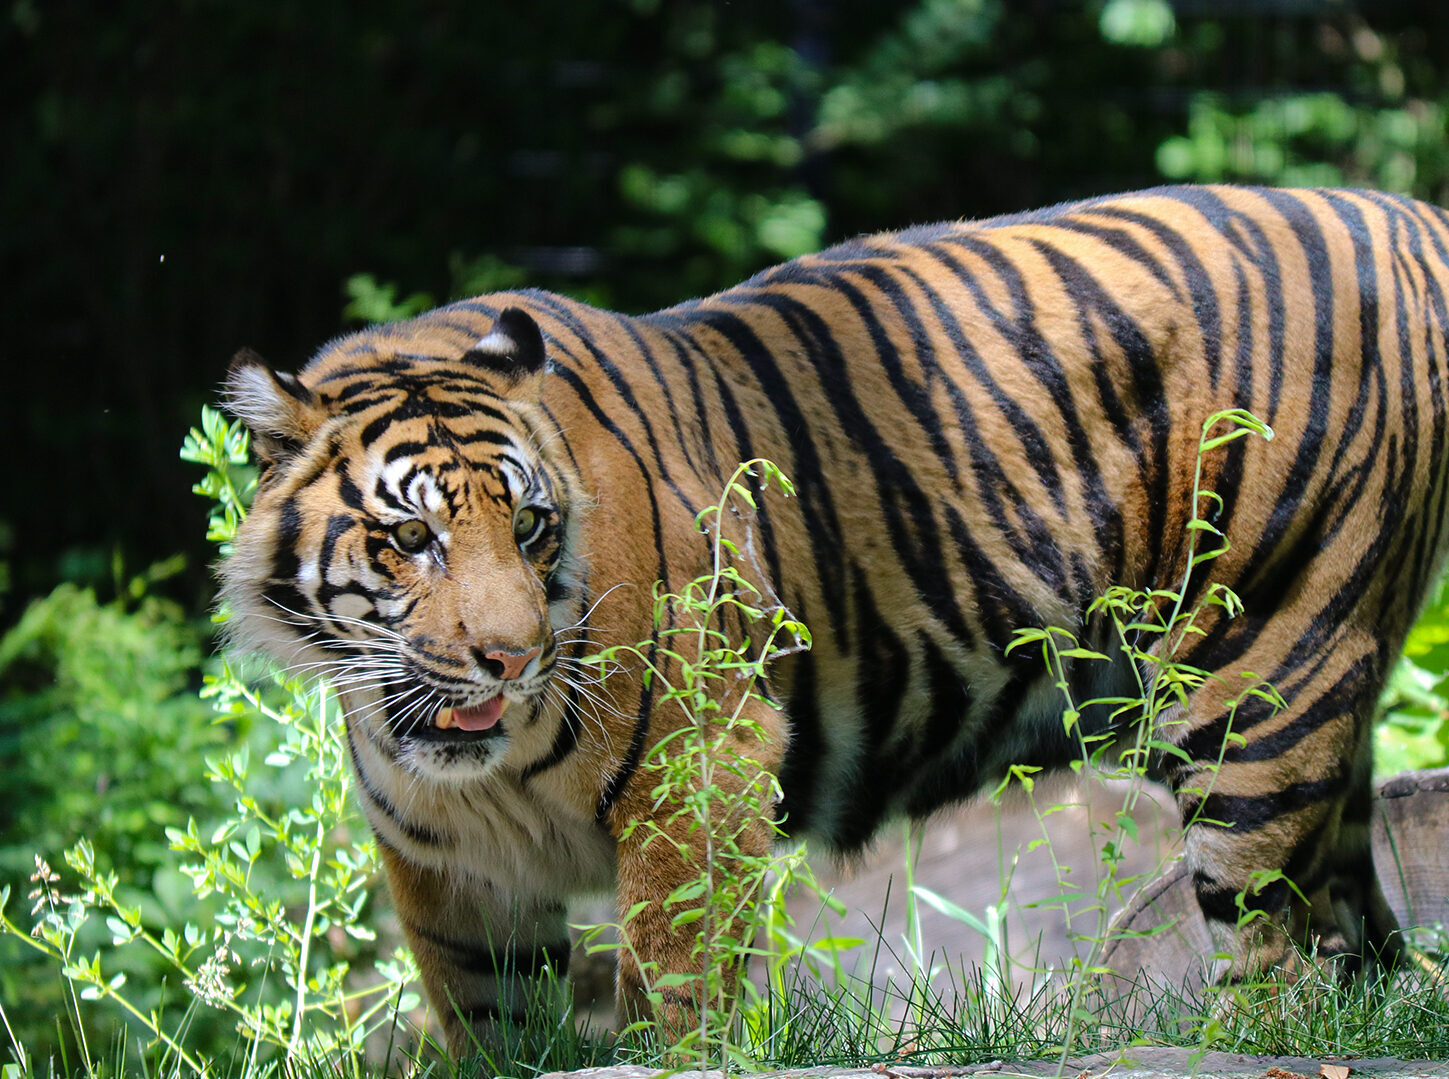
(950, 909)
(121, 933)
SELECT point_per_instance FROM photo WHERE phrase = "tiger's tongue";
(481, 716)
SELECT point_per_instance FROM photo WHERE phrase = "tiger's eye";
(527, 524)
(412, 536)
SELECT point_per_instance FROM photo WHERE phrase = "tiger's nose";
(502, 663)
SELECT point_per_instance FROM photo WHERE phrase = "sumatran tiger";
(988, 424)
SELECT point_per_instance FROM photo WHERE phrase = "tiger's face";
(410, 541)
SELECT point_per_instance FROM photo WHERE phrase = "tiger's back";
(990, 425)
(987, 425)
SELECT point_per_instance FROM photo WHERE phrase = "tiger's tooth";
(445, 717)
(502, 707)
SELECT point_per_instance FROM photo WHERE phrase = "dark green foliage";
(96, 698)
(102, 734)
(187, 179)
(1413, 731)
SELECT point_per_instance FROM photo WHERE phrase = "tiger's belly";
(868, 746)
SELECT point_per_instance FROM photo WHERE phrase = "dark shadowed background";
(184, 178)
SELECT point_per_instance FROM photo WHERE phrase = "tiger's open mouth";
(478, 717)
(461, 723)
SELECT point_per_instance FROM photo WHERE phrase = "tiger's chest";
(516, 836)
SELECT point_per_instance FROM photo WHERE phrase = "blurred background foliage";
(186, 177)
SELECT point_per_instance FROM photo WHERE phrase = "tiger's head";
(410, 537)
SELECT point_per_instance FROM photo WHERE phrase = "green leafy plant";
(370, 300)
(98, 695)
(1147, 629)
(1413, 727)
(281, 874)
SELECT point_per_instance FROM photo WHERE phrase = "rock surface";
(1142, 1063)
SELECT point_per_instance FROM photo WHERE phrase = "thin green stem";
(171, 1043)
(306, 945)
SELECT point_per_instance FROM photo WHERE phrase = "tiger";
(988, 424)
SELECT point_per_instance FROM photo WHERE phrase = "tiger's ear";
(514, 349)
(280, 412)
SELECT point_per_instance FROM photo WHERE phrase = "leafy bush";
(98, 703)
(1413, 731)
(249, 918)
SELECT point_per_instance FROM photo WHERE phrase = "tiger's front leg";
(481, 951)
(659, 945)
(672, 861)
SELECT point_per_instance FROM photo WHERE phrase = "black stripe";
(1124, 243)
(384, 494)
(615, 786)
(410, 448)
(908, 509)
(651, 361)
(1220, 904)
(745, 451)
(806, 470)
(568, 315)
(703, 436)
(1247, 237)
(1036, 354)
(565, 740)
(1090, 298)
(348, 491)
(288, 598)
(489, 1011)
(1287, 511)
(286, 565)
(1032, 350)
(416, 832)
(999, 606)
(939, 776)
(514, 960)
(915, 398)
(407, 408)
(882, 678)
(337, 525)
(1350, 695)
(1199, 285)
(804, 752)
(1243, 813)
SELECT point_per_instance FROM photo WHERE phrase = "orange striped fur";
(988, 424)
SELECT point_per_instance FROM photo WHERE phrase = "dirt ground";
(1140, 1064)
(983, 856)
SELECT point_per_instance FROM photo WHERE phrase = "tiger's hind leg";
(1276, 808)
